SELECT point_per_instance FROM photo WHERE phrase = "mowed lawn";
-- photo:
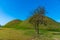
(15, 34)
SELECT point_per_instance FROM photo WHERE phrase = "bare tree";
(38, 18)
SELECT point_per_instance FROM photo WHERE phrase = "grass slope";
(23, 30)
(13, 23)
(51, 24)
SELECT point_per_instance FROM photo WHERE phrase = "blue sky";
(20, 9)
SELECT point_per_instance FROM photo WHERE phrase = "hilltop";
(51, 24)
(13, 23)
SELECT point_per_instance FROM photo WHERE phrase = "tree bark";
(37, 30)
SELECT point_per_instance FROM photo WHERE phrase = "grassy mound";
(18, 24)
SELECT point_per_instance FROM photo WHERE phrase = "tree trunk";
(37, 30)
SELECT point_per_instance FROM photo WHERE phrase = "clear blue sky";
(20, 9)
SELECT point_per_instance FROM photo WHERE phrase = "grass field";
(12, 34)
(22, 34)
(56, 37)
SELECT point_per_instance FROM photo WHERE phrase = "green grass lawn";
(22, 34)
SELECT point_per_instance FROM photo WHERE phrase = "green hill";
(13, 23)
(9, 33)
(51, 24)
